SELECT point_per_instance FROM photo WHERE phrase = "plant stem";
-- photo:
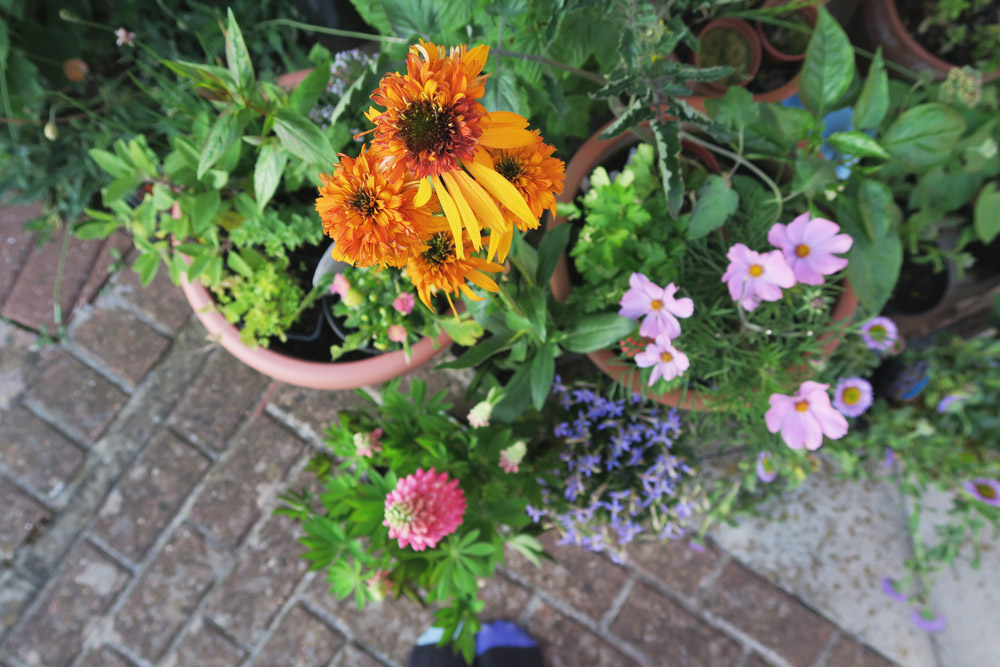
(56, 289)
(331, 31)
(590, 76)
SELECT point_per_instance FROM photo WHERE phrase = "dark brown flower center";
(425, 126)
(441, 248)
(508, 166)
(365, 203)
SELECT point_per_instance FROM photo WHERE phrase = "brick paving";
(139, 470)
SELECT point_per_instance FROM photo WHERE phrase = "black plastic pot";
(920, 289)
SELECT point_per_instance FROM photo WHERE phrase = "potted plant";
(786, 39)
(733, 43)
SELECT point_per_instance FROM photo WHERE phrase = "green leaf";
(146, 266)
(925, 135)
(163, 198)
(222, 134)
(480, 352)
(236, 53)
(238, 264)
(636, 112)
(94, 229)
(534, 303)
(463, 333)
(502, 94)
(110, 163)
(873, 268)
(303, 139)
(873, 102)
(202, 210)
(543, 370)
(857, 144)
(516, 396)
(875, 204)
(668, 148)
(828, 69)
(550, 250)
(305, 95)
(597, 332)
(271, 161)
(4, 44)
(717, 200)
(986, 215)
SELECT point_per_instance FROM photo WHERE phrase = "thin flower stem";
(57, 288)
(331, 31)
(590, 76)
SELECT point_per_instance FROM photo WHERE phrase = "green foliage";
(964, 31)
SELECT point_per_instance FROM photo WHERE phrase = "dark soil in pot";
(789, 41)
(935, 38)
(920, 288)
(772, 76)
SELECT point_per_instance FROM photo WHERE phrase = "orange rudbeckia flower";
(436, 266)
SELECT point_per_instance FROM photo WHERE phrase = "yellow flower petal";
(469, 293)
(452, 215)
(501, 188)
(481, 202)
(423, 192)
(507, 130)
(468, 217)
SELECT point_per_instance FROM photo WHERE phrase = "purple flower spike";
(889, 587)
(765, 468)
(852, 396)
(986, 490)
(927, 620)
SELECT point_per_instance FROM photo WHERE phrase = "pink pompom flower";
(656, 305)
(423, 508)
(852, 396)
(379, 585)
(397, 333)
(366, 444)
(809, 245)
(756, 276)
(803, 419)
(404, 303)
(340, 286)
(667, 361)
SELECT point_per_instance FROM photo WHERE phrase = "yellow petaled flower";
(433, 125)
(436, 266)
(368, 209)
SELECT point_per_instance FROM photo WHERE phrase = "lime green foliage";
(968, 29)
(264, 303)
(346, 536)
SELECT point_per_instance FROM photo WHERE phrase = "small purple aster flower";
(765, 468)
(927, 620)
(948, 401)
(696, 546)
(852, 396)
(986, 490)
(880, 334)
(891, 588)
(535, 514)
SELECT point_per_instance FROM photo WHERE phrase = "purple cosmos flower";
(853, 396)
(765, 468)
(927, 620)
(891, 588)
(656, 305)
(880, 334)
(809, 246)
(986, 490)
(667, 361)
(754, 277)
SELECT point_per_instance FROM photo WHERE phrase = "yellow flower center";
(756, 270)
(802, 250)
(656, 304)
(851, 395)
(802, 406)
(986, 491)
(666, 357)
(877, 332)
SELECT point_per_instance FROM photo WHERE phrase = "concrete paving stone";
(15, 592)
(658, 626)
(80, 398)
(301, 640)
(31, 297)
(15, 242)
(829, 543)
(36, 453)
(673, 563)
(313, 408)
(566, 643)
(126, 345)
(148, 494)
(20, 517)
(262, 580)
(236, 490)
(17, 359)
(769, 615)
(353, 656)
(204, 646)
(223, 395)
(849, 653)
(113, 250)
(105, 657)
(754, 660)
(584, 580)
(54, 633)
(391, 627)
(503, 598)
(161, 301)
(168, 592)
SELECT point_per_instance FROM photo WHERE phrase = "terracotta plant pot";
(590, 155)
(773, 53)
(884, 28)
(741, 37)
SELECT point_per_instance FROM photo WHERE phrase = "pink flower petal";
(805, 273)
(835, 244)
(778, 236)
(683, 307)
(767, 290)
(781, 405)
(825, 264)
(800, 429)
(798, 228)
(776, 269)
(833, 424)
(818, 230)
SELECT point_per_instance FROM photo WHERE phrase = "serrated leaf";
(925, 135)
(828, 69)
(717, 200)
(222, 134)
(668, 148)
(636, 112)
(873, 102)
(271, 161)
(857, 144)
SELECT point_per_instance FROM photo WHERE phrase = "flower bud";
(353, 298)
(51, 131)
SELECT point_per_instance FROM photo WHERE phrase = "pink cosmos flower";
(340, 285)
(404, 303)
(852, 396)
(809, 246)
(397, 333)
(806, 417)
(656, 305)
(423, 508)
(754, 276)
(366, 444)
(667, 361)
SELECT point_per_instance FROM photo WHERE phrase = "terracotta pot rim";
(752, 40)
(770, 50)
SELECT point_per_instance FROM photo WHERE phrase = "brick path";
(139, 470)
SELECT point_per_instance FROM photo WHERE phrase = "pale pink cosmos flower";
(756, 276)
(341, 285)
(803, 419)
(656, 305)
(667, 361)
(809, 245)
(397, 333)
(423, 508)
(404, 303)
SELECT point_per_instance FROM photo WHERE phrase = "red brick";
(126, 345)
(206, 647)
(53, 635)
(849, 653)
(301, 640)
(105, 657)
(161, 301)
(148, 494)
(113, 250)
(168, 593)
(231, 500)
(223, 395)
(769, 615)
(17, 359)
(504, 599)
(31, 297)
(586, 581)
(312, 407)
(20, 517)
(15, 242)
(35, 452)
(265, 576)
(353, 656)
(673, 562)
(80, 398)
(566, 643)
(658, 626)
